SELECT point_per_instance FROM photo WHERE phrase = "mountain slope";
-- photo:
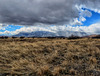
(36, 34)
(51, 34)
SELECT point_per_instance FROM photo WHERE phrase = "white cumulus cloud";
(92, 29)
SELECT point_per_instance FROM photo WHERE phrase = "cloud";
(59, 30)
(82, 19)
(31, 12)
(77, 22)
(90, 4)
(86, 13)
(92, 29)
(46, 12)
(2, 27)
(6, 33)
(83, 14)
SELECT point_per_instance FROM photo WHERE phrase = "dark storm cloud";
(30, 12)
(90, 4)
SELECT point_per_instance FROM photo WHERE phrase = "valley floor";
(49, 57)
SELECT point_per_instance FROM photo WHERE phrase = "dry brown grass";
(49, 57)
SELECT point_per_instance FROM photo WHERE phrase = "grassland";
(49, 57)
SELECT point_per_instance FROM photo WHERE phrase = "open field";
(49, 57)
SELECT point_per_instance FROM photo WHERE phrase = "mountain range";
(51, 34)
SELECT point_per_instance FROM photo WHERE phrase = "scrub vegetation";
(49, 57)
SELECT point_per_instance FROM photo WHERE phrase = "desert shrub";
(1, 37)
(14, 37)
(51, 37)
(22, 37)
(33, 37)
(97, 37)
(4, 37)
(73, 37)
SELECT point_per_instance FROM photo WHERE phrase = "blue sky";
(11, 28)
(93, 19)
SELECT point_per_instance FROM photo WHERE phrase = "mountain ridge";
(51, 34)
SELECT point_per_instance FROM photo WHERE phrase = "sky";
(49, 15)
